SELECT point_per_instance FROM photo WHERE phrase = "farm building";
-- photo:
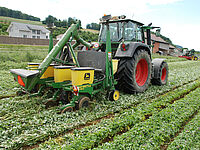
(159, 44)
(27, 31)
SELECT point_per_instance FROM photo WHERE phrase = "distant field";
(22, 53)
(8, 19)
(90, 30)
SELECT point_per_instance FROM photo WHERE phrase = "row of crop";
(31, 124)
(93, 135)
(189, 138)
(159, 128)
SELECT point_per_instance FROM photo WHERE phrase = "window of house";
(34, 31)
(33, 37)
(47, 37)
(24, 36)
(38, 31)
(38, 37)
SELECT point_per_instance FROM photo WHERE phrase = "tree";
(70, 21)
(93, 26)
(50, 20)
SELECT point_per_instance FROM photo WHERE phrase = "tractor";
(189, 54)
(119, 61)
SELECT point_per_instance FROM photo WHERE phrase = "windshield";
(115, 32)
(131, 32)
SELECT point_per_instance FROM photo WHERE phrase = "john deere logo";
(87, 76)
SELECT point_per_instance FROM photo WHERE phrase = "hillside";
(8, 20)
(6, 12)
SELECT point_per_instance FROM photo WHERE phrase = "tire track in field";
(111, 115)
(165, 146)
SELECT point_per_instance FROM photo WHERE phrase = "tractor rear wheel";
(134, 74)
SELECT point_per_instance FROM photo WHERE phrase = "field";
(163, 117)
(8, 20)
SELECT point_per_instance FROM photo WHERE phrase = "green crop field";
(163, 117)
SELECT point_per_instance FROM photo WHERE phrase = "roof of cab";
(124, 20)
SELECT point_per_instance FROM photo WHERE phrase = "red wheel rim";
(141, 72)
(164, 74)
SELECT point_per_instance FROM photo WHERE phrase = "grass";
(8, 20)
(168, 58)
(21, 47)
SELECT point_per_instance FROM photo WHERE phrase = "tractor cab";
(121, 30)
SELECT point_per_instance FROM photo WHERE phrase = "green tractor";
(119, 61)
(189, 54)
(135, 68)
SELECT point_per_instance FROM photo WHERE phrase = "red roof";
(156, 38)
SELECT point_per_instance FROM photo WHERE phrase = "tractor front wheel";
(134, 74)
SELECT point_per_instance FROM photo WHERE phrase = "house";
(27, 31)
(159, 44)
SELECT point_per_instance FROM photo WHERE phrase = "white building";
(27, 31)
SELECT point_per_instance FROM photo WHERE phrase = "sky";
(179, 19)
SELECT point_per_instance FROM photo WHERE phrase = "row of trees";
(67, 22)
(93, 26)
(59, 23)
(16, 14)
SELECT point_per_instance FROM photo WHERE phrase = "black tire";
(195, 58)
(127, 72)
(82, 102)
(113, 95)
(163, 75)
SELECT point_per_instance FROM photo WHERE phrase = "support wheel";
(67, 109)
(162, 76)
(134, 74)
(82, 102)
(113, 95)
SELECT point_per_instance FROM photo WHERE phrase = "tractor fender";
(130, 48)
(156, 63)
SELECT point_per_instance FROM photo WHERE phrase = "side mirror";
(158, 32)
